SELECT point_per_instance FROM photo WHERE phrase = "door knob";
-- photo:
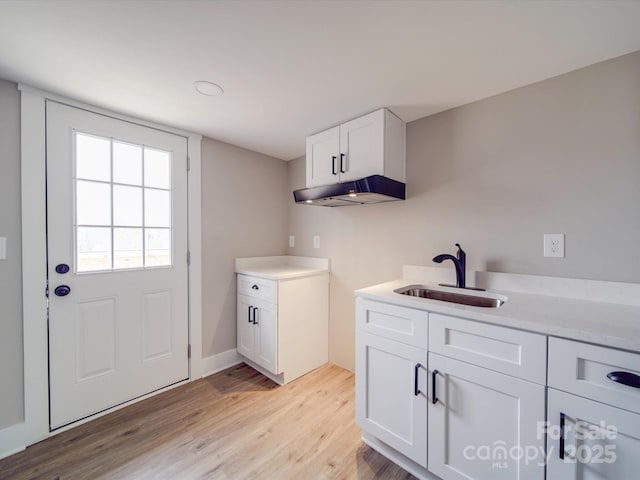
(62, 268)
(62, 290)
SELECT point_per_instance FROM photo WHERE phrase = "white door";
(483, 424)
(598, 442)
(391, 394)
(117, 221)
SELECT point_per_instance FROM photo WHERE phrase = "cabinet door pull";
(255, 311)
(561, 440)
(342, 170)
(434, 376)
(249, 316)
(416, 388)
(333, 165)
(625, 378)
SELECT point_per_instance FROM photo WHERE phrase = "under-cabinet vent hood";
(373, 189)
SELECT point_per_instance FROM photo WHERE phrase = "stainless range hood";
(373, 189)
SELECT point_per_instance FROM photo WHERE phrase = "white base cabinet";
(589, 440)
(282, 325)
(391, 394)
(391, 383)
(593, 412)
(439, 414)
(484, 424)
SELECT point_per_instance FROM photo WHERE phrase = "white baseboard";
(218, 362)
(11, 440)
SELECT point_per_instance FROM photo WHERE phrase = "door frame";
(34, 273)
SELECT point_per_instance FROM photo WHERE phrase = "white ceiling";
(292, 68)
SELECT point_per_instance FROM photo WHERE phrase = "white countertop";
(604, 323)
(283, 267)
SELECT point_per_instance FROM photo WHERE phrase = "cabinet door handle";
(416, 388)
(434, 376)
(625, 378)
(333, 165)
(255, 310)
(249, 316)
(561, 440)
(342, 170)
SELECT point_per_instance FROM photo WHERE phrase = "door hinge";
(188, 164)
(188, 257)
(189, 351)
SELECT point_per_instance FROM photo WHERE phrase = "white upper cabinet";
(373, 144)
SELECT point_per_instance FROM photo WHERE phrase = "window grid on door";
(122, 205)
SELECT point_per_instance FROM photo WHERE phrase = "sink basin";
(453, 297)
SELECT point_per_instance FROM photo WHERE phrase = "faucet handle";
(461, 253)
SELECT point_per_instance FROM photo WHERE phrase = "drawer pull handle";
(561, 440)
(416, 388)
(434, 375)
(625, 378)
(255, 287)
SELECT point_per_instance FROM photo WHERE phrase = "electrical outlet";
(292, 241)
(316, 241)
(554, 245)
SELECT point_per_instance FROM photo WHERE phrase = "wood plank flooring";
(236, 424)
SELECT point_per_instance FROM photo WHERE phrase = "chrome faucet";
(459, 261)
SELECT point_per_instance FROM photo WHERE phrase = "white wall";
(11, 391)
(244, 214)
(559, 156)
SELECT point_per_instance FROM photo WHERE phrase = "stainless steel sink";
(452, 297)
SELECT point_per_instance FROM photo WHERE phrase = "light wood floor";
(236, 424)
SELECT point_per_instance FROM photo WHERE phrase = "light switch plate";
(292, 241)
(3, 248)
(316, 241)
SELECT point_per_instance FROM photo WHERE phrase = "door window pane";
(127, 163)
(127, 206)
(157, 247)
(93, 203)
(122, 222)
(157, 208)
(157, 168)
(93, 246)
(127, 248)
(93, 157)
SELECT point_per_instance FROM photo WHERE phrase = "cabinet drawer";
(259, 288)
(580, 368)
(506, 350)
(391, 321)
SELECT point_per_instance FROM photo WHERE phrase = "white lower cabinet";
(589, 440)
(391, 394)
(282, 325)
(593, 412)
(439, 414)
(483, 424)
